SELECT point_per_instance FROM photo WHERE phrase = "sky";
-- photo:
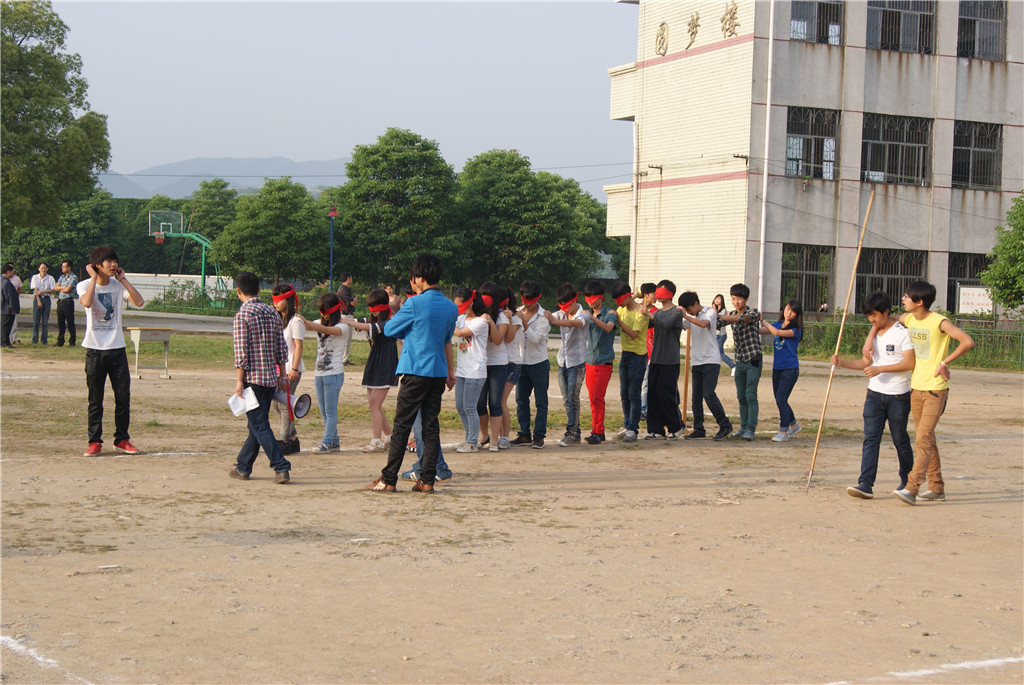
(310, 81)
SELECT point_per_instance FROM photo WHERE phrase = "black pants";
(99, 364)
(66, 318)
(5, 330)
(663, 399)
(705, 380)
(417, 395)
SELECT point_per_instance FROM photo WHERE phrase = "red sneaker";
(126, 446)
(94, 449)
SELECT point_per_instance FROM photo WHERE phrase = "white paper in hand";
(240, 405)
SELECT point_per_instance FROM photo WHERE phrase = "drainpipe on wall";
(636, 202)
(764, 163)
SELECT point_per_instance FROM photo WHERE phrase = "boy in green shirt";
(633, 363)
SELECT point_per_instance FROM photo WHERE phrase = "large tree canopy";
(52, 145)
(397, 204)
(277, 233)
(1005, 276)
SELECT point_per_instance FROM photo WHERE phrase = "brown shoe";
(380, 486)
(425, 488)
(282, 477)
(235, 473)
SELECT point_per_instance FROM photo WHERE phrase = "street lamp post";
(333, 213)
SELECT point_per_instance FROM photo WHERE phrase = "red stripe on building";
(694, 180)
(704, 49)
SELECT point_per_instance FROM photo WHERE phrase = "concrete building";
(922, 102)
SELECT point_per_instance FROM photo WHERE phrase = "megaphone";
(300, 403)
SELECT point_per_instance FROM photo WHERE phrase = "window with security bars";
(982, 29)
(903, 25)
(964, 269)
(888, 270)
(808, 275)
(896, 149)
(817, 21)
(812, 143)
(977, 155)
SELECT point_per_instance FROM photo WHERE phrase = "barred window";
(982, 30)
(896, 150)
(903, 25)
(817, 21)
(808, 275)
(977, 155)
(890, 271)
(812, 143)
(964, 269)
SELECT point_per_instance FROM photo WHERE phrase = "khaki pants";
(926, 406)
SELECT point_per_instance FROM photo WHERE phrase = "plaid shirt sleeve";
(240, 336)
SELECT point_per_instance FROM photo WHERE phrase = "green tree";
(210, 210)
(277, 232)
(52, 145)
(1005, 275)
(520, 225)
(398, 200)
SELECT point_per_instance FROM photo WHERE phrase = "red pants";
(597, 385)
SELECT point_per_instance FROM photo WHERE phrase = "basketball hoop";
(159, 238)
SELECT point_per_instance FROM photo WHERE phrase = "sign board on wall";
(972, 299)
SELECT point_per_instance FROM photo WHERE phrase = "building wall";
(698, 218)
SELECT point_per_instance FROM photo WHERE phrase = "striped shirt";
(259, 342)
(745, 336)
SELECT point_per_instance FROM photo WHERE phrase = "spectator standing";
(10, 305)
(43, 286)
(16, 282)
(66, 284)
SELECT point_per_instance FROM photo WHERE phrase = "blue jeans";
(643, 389)
(327, 390)
(747, 377)
(467, 392)
(879, 408)
(443, 471)
(40, 318)
(632, 371)
(570, 382)
(261, 435)
(533, 378)
(490, 394)
(783, 381)
(721, 350)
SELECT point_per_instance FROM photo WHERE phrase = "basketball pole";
(839, 339)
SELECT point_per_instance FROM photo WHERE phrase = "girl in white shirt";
(497, 366)
(471, 331)
(329, 375)
(286, 302)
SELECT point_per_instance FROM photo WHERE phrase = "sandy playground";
(669, 562)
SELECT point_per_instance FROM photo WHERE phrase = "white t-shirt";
(103, 318)
(472, 361)
(295, 330)
(330, 351)
(704, 341)
(515, 348)
(497, 355)
(40, 283)
(889, 349)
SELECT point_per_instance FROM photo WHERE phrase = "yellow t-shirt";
(930, 346)
(638, 321)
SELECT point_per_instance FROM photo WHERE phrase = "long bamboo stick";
(686, 378)
(839, 339)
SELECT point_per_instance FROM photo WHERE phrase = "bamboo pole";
(686, 378)
(839, 338)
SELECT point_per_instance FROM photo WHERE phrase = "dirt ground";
(669, 562)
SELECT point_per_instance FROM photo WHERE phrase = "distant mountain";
(181, 179)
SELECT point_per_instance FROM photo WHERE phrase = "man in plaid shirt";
(260, 358)
(745, 324)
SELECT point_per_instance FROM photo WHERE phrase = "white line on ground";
(15, 646)
(945, 668)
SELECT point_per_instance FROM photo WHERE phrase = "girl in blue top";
(786, 365)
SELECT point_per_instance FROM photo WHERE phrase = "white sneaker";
(781, 436)
(733, 372)
(493, 447)
(504, 443)
(622, 432)
(376, 445)
(629, 436)
(324, 447)
(794, 429)
(467, 447)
